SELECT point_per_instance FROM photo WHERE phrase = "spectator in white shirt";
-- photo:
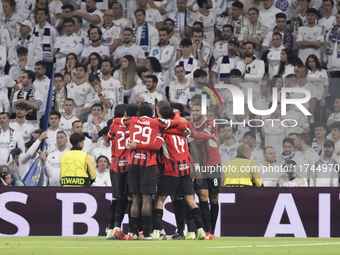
(91, 16)
(16, 70)
(68, 43)
(173, 39)
(9, 138)
(20, 124)
(67, 11)
(291, 178)
(288, 63)
(319, 78)
(151, 95)
(140, 86)
(188, 61)
(267, 15)
(67, 118)
(118, 18)
(178, 86)
(335, 116)
(32, 43)
(201, 49)
(42, 83)
(180, 16)
(59, 93)
(103, 172)
(153, 16)
(145, 35)
(77, 127)
(95, 35)
(53, 129)
(111, 31)
(129, 48)
(52, 162)
(13, 165)
(311, 37)
(93, 127)
(10, 16)
(328, 21)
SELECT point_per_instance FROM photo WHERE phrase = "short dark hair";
(22, 51)
(335, 125)
(22, 106)
(200, 73)
(103, 156)
(281, 15)
(97, 105)
(15, 152)
(128, 29)
(132, 110)
(55, 113)
(98, 29)
(277, 33)
(320, 124)
(166, 112)
(235, 72)
(41, 63)
(250, 133)
(332, 2)
(177, 106)
(6, 113)
(68, 6)
(306, 138)
(82, 66)
(80, 20)
(94, 77)
(139, 10)
(168, 19)
(201, 2)
(76, 138)
(142, 70)
(76, 121)
(197, 30)
(69, 99)
(198, 23)
(44, 10)
(238, 5)
(120, 110)
(164, 29)
(146, 110)
(253, 44)
(288, 140)
(107, 60)
(59, 75)
(186, 42)
(229, 26)
(68, 20)
(290, 162)
(153, 77)
(30, 75)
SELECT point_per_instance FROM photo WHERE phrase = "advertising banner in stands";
(268, 212)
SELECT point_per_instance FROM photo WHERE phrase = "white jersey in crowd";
(153, 38)
(299, 181)
(67, 44)
(309, 158)
(151, 97)
(220, 49)
(43, 85)
(177, 89)
(319, 79)
(227, 100)
(257, 156)
(90, 128)
(123, 23)
(53, 167)
(135, 51)
(116, 87)
(312, 90)
(26, 130)
(79, 93)
(181, 20)
(102, 50)
(301, 119)
(152, 16)
(8, 141)
(267, 17)
(137, 91)
(310, 34)
(327, 24)
(4, 103)
(268, 39)
(102, 179)
(224, 68)
(52, 136)
(86, 24)
(129, 6)
(274, 59)
(66, 123)
(5, 83)
(93, 98)
(324, 173)
(238, 25)
(286, 6)
(231, 151)
(333, 60)
(188, 66)
(166, 57)
(102, 150)
(110, 34)
(289, 69)
(26, 160)
(208, 23)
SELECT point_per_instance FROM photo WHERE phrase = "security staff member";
(76, 167)
(241, 171)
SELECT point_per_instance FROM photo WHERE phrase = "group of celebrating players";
(151, 160)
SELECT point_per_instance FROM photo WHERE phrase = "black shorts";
(119, 182)
(211, 184)
(170, 185)
(142, 179)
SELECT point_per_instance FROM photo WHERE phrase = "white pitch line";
(273, 245)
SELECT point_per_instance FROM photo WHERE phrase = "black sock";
(146, 225)
(214, 208)
(189, 220)
(112, 213)
(179, 207)
(196, 214)
(120, 211)
(157, 219)
(129, 208)
(140, 222)
(134, 225)
(205, 215)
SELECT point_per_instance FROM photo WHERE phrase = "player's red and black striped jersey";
(176, 156)
(144, 130)
(120, 152)
(208, 152)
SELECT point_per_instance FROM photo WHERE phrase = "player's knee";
(213, 198)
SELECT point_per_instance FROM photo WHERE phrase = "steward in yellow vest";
(76, 167)
(242, 172)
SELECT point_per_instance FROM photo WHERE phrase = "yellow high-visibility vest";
(73, 169)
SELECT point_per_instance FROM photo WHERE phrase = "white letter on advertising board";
(69, 218)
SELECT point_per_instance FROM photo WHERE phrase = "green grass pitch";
(48, 245)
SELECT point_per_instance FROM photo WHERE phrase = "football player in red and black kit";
(142, 175)
(175, 179)
(205, 136)
(119, 137)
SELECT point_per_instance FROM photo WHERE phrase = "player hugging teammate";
(151, 160)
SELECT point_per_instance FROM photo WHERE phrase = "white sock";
(117, 228)
(200, 230)
(162, 232)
